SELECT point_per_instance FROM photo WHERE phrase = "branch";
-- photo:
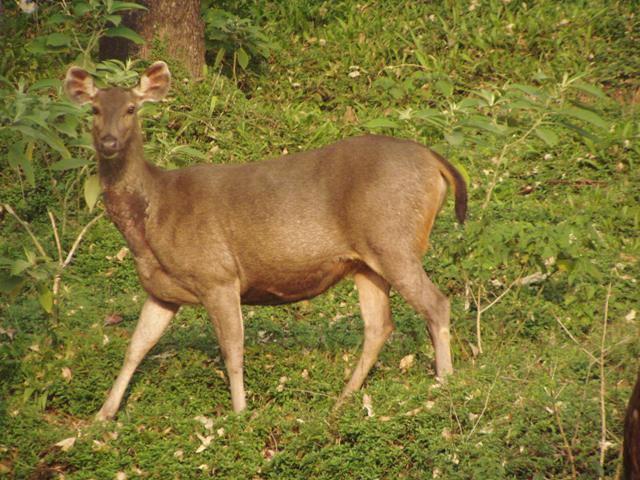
(25, 225)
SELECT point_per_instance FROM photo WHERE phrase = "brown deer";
(269, 233)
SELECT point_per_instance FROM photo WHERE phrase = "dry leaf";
(268, 454)
(446, 434)
(112, 319)
(305, 374)
(281, 383)
(220, 431)
(66, 374)
(206, 441)
(105, 340)
(407, 362)
(35, 347)
(350, 115)
(120, 256)
(631, 316)
(414, 412)
(9, 332)
(179, 454)
(66, 444)
(429, 404)
(121, 476)
(366, 403)
(206, 422)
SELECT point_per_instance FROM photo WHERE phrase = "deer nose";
(109, 143)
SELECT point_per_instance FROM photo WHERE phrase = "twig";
(603, 413)
(25, 225)
(499, 297)
(484, 408)
(55, 235)
(75, 245)
(478, 317)
(576, 341)
(567, 446)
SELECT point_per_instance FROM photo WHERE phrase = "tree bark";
(176, 23)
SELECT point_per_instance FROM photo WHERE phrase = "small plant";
(233, 38)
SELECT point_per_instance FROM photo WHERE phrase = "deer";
(269, 233)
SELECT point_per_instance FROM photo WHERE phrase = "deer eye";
(131, 109)
(95, 110)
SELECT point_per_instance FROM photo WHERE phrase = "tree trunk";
(176, 23)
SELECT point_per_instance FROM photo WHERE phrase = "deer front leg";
(223, 305)
(154, 318)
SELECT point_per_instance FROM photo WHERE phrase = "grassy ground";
(546, 396)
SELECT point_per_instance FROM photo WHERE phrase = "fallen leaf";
(429, 404)
(305, 374)
(206, 422)
(281, 383)
(407, 362)
(350, 115)
(179, 454)
(268, 454)
(105, 340)
(35, 347)
(206, 441)
(121, 476)
(9, 332)
(414, 412)
(122, 253)
(220, 431)
(112, 319)
(446, 434)
(631, 316)
(66, 373)
(66, 444)
(366, 403)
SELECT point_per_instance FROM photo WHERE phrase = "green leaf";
(113, 19)
(58, 39)
(590, 89)
(45, 83)
(69, 163)
(547, 136)
(55, 19)
(10, 284)
(19, 266)
(528, 89)
(455, 139)
(243, 58)
(444, 87)
(91, 191)
(117, 6)
(46, 299)
(124, 32)
(26, 163)
(422, 60)
(219, 58)
(586, 116)
(50, 138)
(80, 8)
(190, 152)
(381, 123)
(483, 123)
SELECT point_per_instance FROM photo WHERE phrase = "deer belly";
(157, 282)
(286, 286)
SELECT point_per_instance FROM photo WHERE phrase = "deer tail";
(454, 178)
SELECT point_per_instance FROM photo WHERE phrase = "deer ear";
(154, 83)
(78, 85)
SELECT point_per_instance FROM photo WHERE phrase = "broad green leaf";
(91, 191)
(58, 39)
(483, 123)
(55, 19)
(80, 8)
(528, 89)
(113, 19)
(10, 284)
(69, 163)
(26, 163)
(190, 151)
(48, 137)
(547, 136)
(117, 6)
(590, 89)
(381, 123)
(444, 87)
(455, 139)
(45, 83)
(124, 32)
(586, 116)
(243, 58)
(219, 58)
(19, 266)
(46, 299)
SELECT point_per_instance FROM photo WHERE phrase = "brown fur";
(273, 232)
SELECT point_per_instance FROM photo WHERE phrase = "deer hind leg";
(412, 283)
(373, 292)
(154, 318)
(223, 306)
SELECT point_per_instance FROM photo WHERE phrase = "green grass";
(529, 406)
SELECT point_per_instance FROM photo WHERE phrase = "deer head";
(114, 109)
